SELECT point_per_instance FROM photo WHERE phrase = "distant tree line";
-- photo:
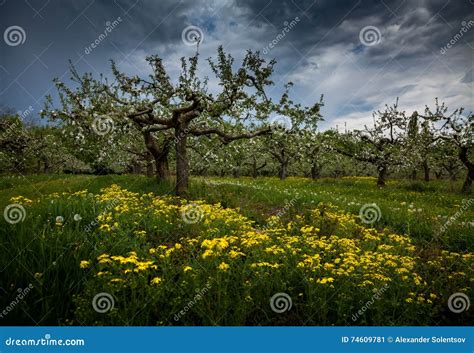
(159, 127)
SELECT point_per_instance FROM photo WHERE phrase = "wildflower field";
(119, 250)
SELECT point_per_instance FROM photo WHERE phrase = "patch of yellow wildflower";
(327, 250)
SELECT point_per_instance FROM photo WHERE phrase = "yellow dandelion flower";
(223, 266)
(156, 281)
(84, 264)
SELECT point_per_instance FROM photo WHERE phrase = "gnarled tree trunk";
(426, 170)
(182, 165)
(237, 171)
(467, 186)
(256, 167)
(315, 170)
(149, 165)
(382, 175)
(159, 154)
(283, 169)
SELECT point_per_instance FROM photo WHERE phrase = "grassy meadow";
(121, 250)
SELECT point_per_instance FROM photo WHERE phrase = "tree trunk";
(452, 175)
(426, 169)
(137, 168)
(237, 171)
(46, 166)
(254, 169)
(413, 174)
(162, 168)
(315, 172)
(382, 176)
(149, 165)
(283, 170)
(467, 186)
(182, 165)
(159, 154)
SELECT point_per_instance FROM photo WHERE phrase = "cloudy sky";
(359, 54)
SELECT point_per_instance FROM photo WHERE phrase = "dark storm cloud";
(321, 53)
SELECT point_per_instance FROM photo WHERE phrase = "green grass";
(259, 198)
(433, 203)
(45, 255)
